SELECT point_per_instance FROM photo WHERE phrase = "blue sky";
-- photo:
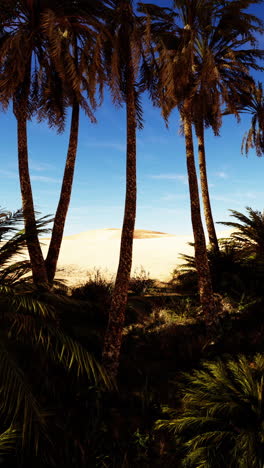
(98, 194)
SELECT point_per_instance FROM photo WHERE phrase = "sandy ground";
(157, 252)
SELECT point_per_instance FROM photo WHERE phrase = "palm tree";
(207, 48)
(252, 102)
(222, 69)
(221, 420)
(78, 58)
(59, 41)
(177, 76)
(249, 233)
(218, 68)
(122, 57)
(171, 62)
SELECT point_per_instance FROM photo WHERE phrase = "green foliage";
(29, 322)
(252, 102)
(221, 418)
(13, 245)
(31, 325)
(235, 270)
(248, 236)
(97, 288)
(140, 282)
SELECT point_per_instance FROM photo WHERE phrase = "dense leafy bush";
(220, 422)
(140, 282)
(231, 273)
(97, 288)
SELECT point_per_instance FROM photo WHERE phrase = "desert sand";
(157, 252)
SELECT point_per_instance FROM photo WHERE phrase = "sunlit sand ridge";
(157, 252)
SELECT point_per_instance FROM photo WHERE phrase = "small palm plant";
(221, 420)
(228, 272)
(249, 234)
(32, 336)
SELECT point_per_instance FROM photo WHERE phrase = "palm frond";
(220, 420)
(18, 402)
(8, 439)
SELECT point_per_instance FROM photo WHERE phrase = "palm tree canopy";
(252, 102)
(122, 50)
(45, 46)
(210, 53)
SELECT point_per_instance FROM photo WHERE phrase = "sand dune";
(114, 233)
(157, 252)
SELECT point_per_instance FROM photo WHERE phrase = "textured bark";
(36, 257)
(113, 336)
(204, 186)
(65, 196)
(203, 271)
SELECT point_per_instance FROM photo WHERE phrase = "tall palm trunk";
(36, 257)
(204, 186)
(113, 336)
(65, 195)
(203, 271)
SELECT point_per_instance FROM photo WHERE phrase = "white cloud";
(112, 145)
(40, 167)
(181, 177)
(45, 179)
(225, 199)
(38, 178)
(172, 197)
(159, 140)
(9, 174)
(222, 174)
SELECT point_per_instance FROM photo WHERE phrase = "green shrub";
(231, 272)
(97, 288)
(220, 421)
(140, 282)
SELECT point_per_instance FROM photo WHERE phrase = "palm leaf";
(8, 439)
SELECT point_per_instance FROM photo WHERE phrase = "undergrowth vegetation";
(187, 395)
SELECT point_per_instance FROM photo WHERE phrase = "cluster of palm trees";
(197, 56)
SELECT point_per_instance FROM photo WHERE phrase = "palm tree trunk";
(65, 195)
(203, 271)
(36, 257)
(113, 335)
(204, 186)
